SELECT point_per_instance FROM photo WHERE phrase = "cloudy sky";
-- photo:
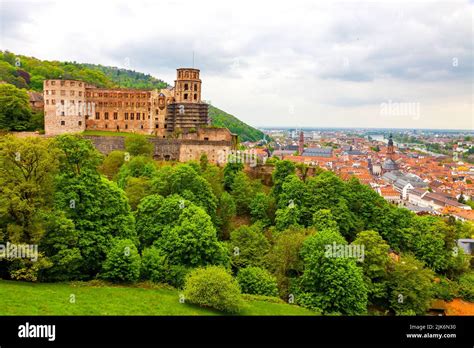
(276, 63)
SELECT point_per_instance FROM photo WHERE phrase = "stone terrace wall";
(166, 149)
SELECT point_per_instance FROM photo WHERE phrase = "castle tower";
(187, 112)
(187, 86)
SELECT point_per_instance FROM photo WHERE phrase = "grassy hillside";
(22, 298)
(29, 73)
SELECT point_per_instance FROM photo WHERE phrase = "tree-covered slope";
(29, 73)
(221, 118)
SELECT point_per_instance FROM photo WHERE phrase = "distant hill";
(29, 73)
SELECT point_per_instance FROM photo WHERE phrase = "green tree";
(410, 286)
(329, 282)
(122, 263)
(137, 167)
(60, 244)
(112, 163)
(138, 145)
(323, 220)
(187, 182)
(192, 241)
(27, 169)
(231, 168)
(261, 208)
(225, 213)
(15, 111)
(375, 264)
(242, 192)
(77, 154)
(257, 281)
(136, 189)
(248, 247)
(284, 257)
(281, 171)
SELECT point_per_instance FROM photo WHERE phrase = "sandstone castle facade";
(175, 117)
(74, 106)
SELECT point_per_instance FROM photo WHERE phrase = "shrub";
(257, 281)
(155, 267)
(466, 286)
(122, 263)
(213, 287)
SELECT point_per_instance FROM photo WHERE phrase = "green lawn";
(22, 298)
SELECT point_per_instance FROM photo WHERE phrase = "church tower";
(390, 150)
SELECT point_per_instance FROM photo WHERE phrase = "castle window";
(185, 96)
(106, 125)
(47, 92)
(195, 96)
(73, 83)
(132, 116)
(115, 115)
(97, 115)
(53, 92)
(100, 94)
(138, 116)
(80, 94)
(186, 87)
(126, 115)
(106, 115)
(63, 123)
(106, 95)
(118, 128)
(195, 88)
(62, 113)
(126, 126)
(62, 83)
(156, 126)
(71, 93)
(53, 83)
(53, 101)
(63, 92)
(62, 102)
(141, 126)
(79, 123)
(80, 84)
